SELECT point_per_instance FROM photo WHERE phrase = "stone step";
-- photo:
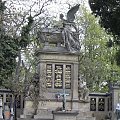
(32, 119)
(84, 114)
(80, 118)
(87, 118)
(46, 114)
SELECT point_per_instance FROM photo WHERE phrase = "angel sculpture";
(69, 32)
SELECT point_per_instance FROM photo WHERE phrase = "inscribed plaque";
(101, 104)
(49, 75)
(58, 82)
(93, 104)
(68, 77)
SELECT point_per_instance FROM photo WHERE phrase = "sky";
(57, 7)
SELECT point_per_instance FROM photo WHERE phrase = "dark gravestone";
(93, 104)
(101, 104)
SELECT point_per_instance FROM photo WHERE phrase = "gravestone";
(57, 67)
(60, 70)
(1, 109)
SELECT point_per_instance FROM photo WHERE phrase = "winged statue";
(70, 32)
(66, 32)
(70, 14)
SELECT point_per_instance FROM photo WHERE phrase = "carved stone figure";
(33, 89)
(83, 91)
(30, 91)
(86, 93)
(69, 31)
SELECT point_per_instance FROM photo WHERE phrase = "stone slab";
(65, 115)
(31, 119)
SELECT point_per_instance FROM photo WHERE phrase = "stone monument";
(57, 66)
(1, 109)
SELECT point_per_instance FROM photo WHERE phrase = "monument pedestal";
(58, 70)
(65, 115)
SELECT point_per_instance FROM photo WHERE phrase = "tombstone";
(57, 67)
(117, 111)
(1, 109)
(11, 112)
(6, 111)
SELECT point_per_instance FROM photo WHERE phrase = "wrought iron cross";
(63, 95)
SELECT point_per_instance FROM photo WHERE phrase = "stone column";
(42, 74)
(4, 98)
(75, 87)
(115, 99)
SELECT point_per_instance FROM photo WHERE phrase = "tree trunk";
(15, 107)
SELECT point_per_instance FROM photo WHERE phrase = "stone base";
(87, 118)
(32, 119)
(1, 117)
(44, 114)
(45, 111)
(65, 115)
(22, 116)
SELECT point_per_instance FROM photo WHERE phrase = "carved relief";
(58, 83)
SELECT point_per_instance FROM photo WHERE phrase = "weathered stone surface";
(32, 119)
(57, 57)
(65, 115)
(51, 35)
(54, 56)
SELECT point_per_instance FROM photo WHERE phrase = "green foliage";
(10, 46)
(97, 64)
(117, 57)
(18, 86)
(2, 5)
(8, 54)
(109, 14)
(109, 44)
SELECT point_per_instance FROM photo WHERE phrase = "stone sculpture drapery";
(69, 30)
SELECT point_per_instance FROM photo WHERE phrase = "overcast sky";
(55, 8)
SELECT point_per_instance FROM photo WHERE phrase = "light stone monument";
(1, 110)
(57, 67)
